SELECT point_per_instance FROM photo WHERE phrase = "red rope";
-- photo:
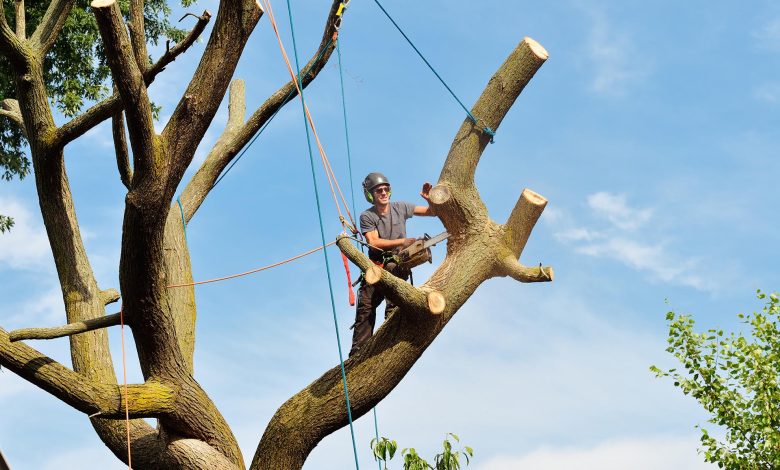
(252, 271)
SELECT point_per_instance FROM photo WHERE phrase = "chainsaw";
(419, 252)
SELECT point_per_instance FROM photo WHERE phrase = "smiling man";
(384, 227)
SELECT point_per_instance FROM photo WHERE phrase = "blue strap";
(183, 222)
(487, 130)
(322, 235)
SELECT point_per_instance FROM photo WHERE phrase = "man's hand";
(408, 242)
(425, 190)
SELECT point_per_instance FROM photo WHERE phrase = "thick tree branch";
(490, 109)
(513, 268)
(145, 400)
(522, 220)
(21, 21)
(137, 34)
(193, 114)
(120, 149)
(130, 83)
(67, 330)
(11, 46)
(50, 26)
(10, 108)
(399, 291)
(234, 138)
(98, 113)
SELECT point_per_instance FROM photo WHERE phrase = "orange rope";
(124, 375)
(326, 164)
(252, 271)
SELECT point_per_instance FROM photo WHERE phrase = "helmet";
(372, 181)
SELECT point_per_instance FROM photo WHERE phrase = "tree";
(736, 378)
(191, 432)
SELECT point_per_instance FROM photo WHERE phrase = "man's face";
(382, 194)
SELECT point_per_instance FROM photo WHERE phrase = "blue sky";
(652, 130)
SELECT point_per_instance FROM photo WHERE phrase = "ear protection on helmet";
(371, 181)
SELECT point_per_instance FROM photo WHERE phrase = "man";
(384, 227)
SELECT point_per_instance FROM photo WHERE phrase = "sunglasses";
(382, 190)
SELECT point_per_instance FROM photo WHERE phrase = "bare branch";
(521, 221)
(145, 400)
(234, 139)
(129, 82)
(137, 34)
(47, 31)
(175, 51)
(10, 108)
(399, 291)
(67, 330)
(513, 268)
(79, 125)
(491, 107)
(120, 149)
(21, 25)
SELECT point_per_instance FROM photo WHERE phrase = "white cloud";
(768, 93)
(26, 245)
(45, 309)
(614, 208)
(620, 241)
(662, 452)
(768, 36)
(614, 61)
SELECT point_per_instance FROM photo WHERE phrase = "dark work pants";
(368, 299)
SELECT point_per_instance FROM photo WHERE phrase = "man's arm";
(373, 239)
(424, 210)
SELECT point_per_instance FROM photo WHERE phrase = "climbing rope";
(308, 122)
(279, 108)
(352, 191)
(487, 130)
(332, 180)
(233, 276)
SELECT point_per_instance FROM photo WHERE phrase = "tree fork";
(475, 253)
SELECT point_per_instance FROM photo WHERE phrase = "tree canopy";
(736, 378)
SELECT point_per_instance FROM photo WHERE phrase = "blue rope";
(352, 188)
(346, 128)
(281, 105)
(183, 222)
(322, 235)
(490, 132)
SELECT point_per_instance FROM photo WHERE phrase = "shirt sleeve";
(367, 222)
(408, 210)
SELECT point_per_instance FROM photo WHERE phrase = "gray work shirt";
(390, 226)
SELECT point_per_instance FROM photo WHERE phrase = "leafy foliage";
(5, 223)
(384, 449)
(736, 378)
(75, 70)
